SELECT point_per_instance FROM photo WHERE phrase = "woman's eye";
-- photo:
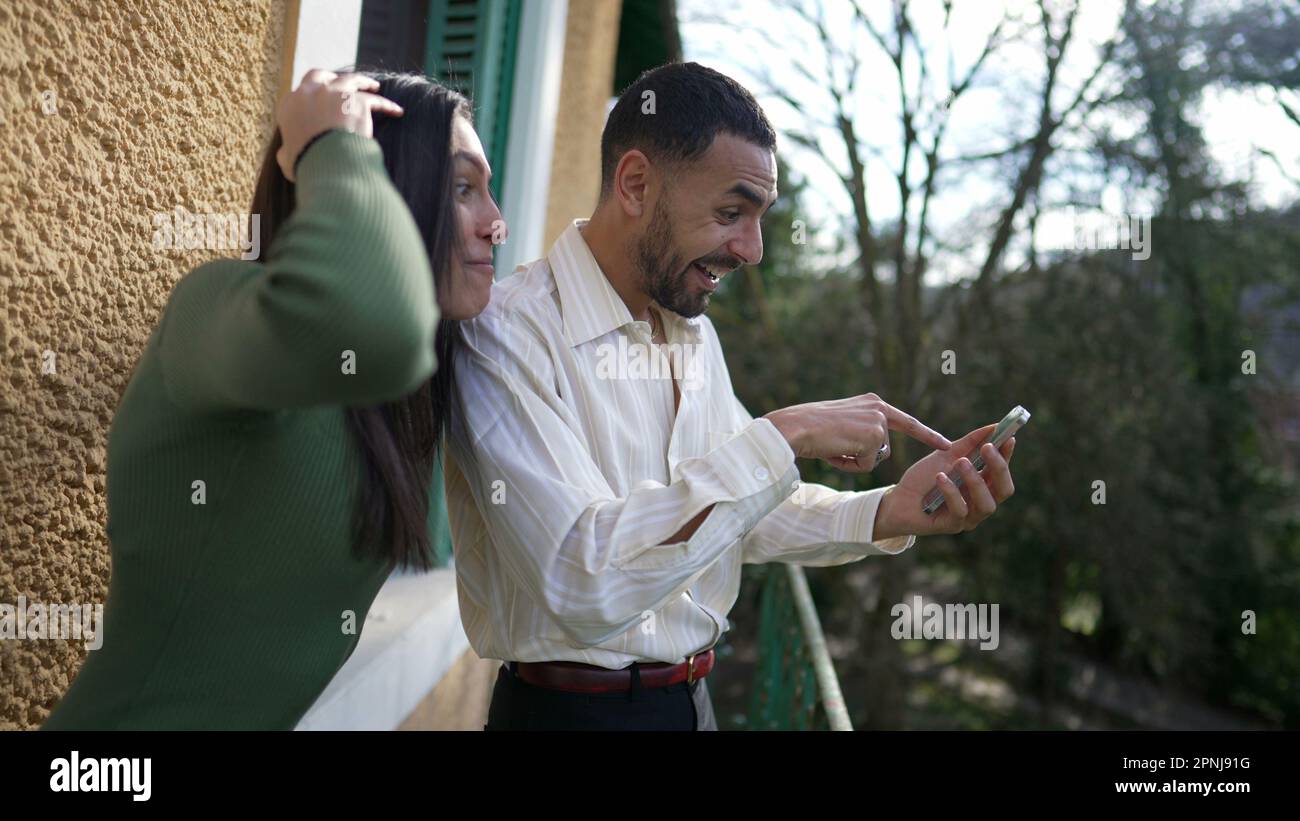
(463, 188)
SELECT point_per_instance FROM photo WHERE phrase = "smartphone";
(1010, 423)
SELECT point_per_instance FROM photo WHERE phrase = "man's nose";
(748, 245)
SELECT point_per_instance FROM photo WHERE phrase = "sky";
(1236, 124)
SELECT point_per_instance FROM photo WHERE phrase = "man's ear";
(632, 182)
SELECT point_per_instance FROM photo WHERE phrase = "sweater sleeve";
(342, 311)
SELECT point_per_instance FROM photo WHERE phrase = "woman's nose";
(495, 231)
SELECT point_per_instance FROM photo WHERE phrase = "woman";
(271, 460)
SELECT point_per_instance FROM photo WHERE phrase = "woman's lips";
(484, 266)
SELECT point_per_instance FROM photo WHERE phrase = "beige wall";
(590, 45)
(157, 105)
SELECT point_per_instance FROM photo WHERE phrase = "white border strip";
(533, 111)
(328, 33)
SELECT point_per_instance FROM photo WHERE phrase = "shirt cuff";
(754, 459)
(855, 522)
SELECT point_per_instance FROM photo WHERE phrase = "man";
(601, 513)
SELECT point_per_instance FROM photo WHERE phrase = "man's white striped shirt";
(567, 471)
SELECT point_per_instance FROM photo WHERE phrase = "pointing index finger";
(906, 423)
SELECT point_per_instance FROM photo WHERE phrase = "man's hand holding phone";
(901, 511)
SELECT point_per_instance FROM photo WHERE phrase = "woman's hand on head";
(326, 100)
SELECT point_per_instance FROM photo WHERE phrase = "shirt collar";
(589, 304)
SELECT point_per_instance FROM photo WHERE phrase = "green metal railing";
(795, 687)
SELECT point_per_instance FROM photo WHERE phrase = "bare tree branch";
(1040, 148)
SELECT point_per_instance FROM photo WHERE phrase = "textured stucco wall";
(155, 105)
(590, 46)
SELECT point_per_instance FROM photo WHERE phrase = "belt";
(574, 677)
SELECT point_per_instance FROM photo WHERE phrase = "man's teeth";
(708, 272)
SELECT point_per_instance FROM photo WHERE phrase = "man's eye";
(731, 216)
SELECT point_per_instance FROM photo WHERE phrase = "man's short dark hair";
(692, 105)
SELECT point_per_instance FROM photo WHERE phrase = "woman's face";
(480, 222)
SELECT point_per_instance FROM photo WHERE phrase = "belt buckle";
(690, 669)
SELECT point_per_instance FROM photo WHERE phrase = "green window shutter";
(647, 37)
(471, 47)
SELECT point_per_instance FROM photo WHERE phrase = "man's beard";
(665, 273)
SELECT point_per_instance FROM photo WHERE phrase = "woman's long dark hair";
(398, 440)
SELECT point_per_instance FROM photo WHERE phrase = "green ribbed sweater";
(231, 613)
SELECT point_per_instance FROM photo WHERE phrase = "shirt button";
(760, 473)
